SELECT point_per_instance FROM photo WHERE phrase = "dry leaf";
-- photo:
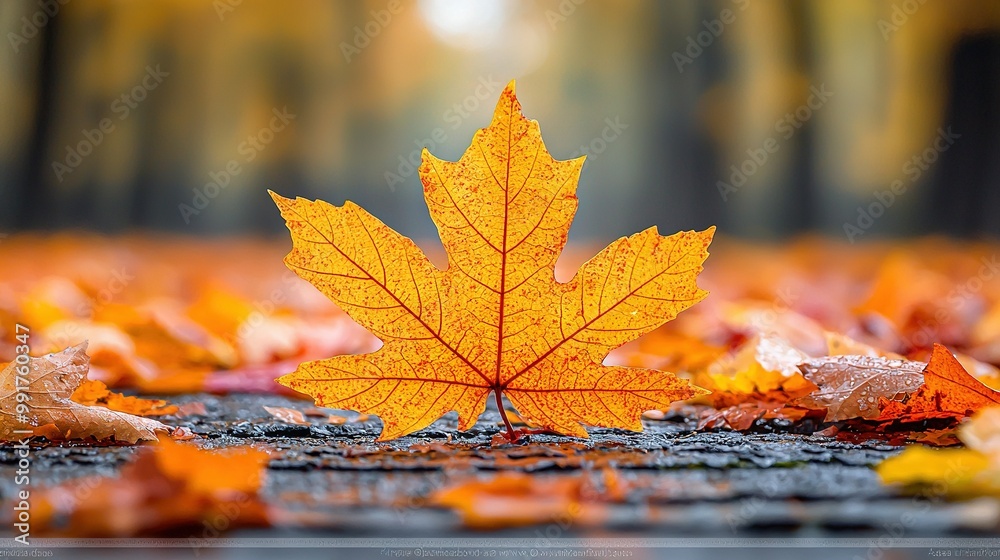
(764, 369)
(49, 410)
(338, 419)
(743, 416)
(516, 499)
(96, 393)
(851, 386)
(764, 353)
(967, 472)
(982, 433)
(948, 392)
(169, 486)
(495, 319)
(936, 438)
(842, 345)
(287, 415)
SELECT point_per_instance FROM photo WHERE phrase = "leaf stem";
(503, 414)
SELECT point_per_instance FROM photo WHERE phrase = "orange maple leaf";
(495, 319)
(948, 391)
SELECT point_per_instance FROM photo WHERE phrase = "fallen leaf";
(908, 294)
(192, 409)
(111, 350)
(851, 386)
(287, 415)
(96, 393)
(496, 319)
(672, 351)
(949, 472)
(49, 383)
(216, 471)
(936, 438)
(764, 353)
(764, 369)
(948, 391)
(315, 412)
(759, 318)
(743, 416)
(516, 500)
(167, 486)
(338, 419)
(842, 345)
(982, 433)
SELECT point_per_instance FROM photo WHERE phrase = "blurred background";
(854, 118)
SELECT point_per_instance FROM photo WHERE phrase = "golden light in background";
(467, 24)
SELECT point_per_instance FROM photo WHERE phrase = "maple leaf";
(851, 386)
(49, 382)
(949, 391)
(496, 319)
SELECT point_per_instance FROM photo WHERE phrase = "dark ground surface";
(680, 483)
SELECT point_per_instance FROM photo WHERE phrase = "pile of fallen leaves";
(169, 316)
(898, 342)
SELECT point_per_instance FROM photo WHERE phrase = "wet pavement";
(676, 482)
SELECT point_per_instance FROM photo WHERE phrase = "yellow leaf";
(954, 472)
(495, 319)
